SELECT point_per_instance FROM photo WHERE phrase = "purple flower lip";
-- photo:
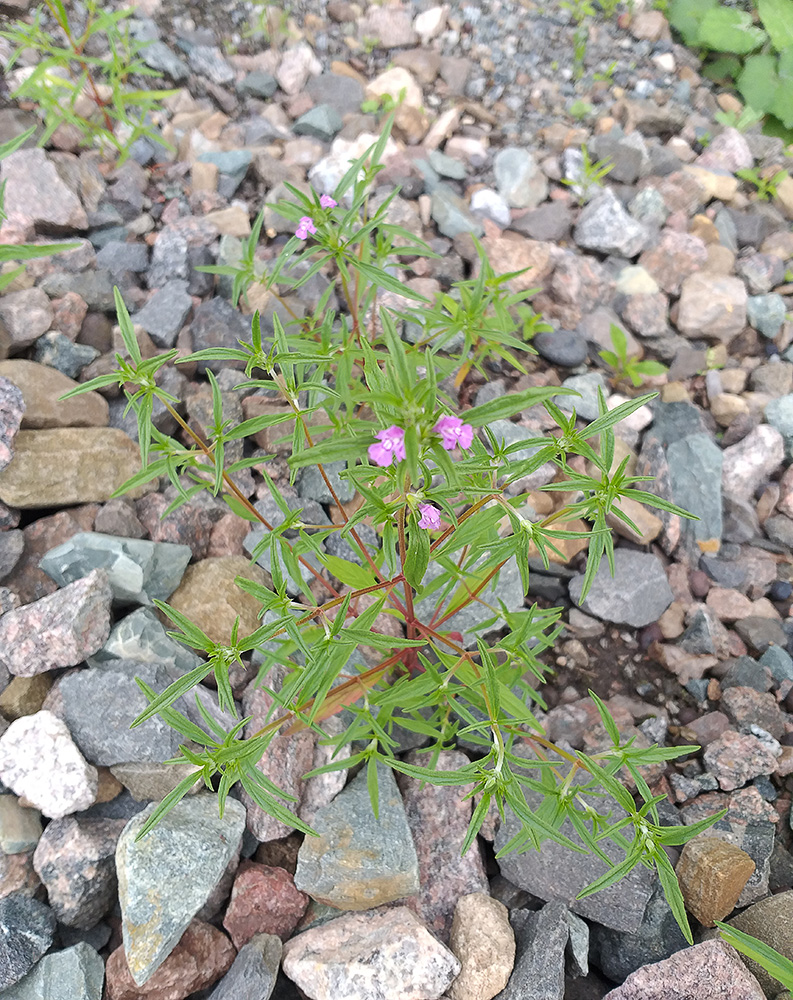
(454, 433)
(390, 446)
(305, 228)
(430, 516)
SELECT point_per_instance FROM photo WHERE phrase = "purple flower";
(430, 516)
(454, 433)
(390, 445)
(305, 228)
(326, 201)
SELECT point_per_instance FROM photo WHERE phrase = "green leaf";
(512, 403)
(418, 554)
(777, 18)
(27, 251)
(169, 802)
(782, 106)
(686, 17)
(759, 82)
(173, 692)
(726, 29)
(348, 572)
(327, 451)
(775, 965)
(674, 896)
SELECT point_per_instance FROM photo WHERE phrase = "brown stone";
(513, 252)
(264, 900)
(69, 465)
(42, 388)
(484, 942)
(202, 956)
(24, 696)
(728, 605)
(209, 596)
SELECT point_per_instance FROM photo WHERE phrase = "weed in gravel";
(766, 185)
(361, 386)
(624, 367)
(72, 86)
(589, 176)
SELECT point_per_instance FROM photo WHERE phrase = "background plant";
(95, 94)
(753, 51)
(625, 367)
(367, 377)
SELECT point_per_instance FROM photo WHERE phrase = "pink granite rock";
(263, 900)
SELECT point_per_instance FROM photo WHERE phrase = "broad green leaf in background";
(687, 15)
(777, 18)
(725, 29)
(782, 105)
(759, 82)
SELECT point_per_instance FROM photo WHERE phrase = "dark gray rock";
(311, 485)
(159, 57)
(779, 663)
(217, 324)
(96, 287)
(169, 258)
(342, 93)
(562, 347)
(120, 257)
(139, 571)
(12, 543)
(27, 928)
(637, 594)
(360, 861)
(167, 876)
(540, 942)
(99, 706)
(254, 972)
(75, 973)
(619, 953)
(322, 122)
(743, 671)
(585, 403)
(57, 351)
(165, 313)
(258, 84)
(550, 221)
(695, 467)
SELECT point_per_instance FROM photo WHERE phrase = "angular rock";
(167, 876)
(712, 874)
(558, 873)
(750, 462)
(264, 900)
(27, 928)
(141, 636)
(712, 306)
(20, 828)
(165, 313)
(708, 971)
(197, 960)
(734, 758)
(36, 194)
(42, 388)
(58, 631)
(484, 942)
(217, 324)
(438, 817)
(606, 227)
(540, 941)
(152, 781)
(519, 179)
(359, 861)
(65, 466)
(40, 763)
(139, 571)
(363, 956)
(254, 972)
(76, 973)
(12, 411)
(695, 472)
(75, 859)
(209, 596)
(451, 214)
(637, 595)
(25, 315)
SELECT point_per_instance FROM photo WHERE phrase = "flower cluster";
(306, 227)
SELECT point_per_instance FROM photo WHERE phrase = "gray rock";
(451, 214)
(143, 638)
(561, 347)
(342, 93)
(20, 827)
(27, 928)
(519, 179)
(322, 122)
(627, 153)
(558, 873)
(752, 460)
(586, 402)
(208, 61)
(217, 324)
(75, 973)
(766, 313)
(139, 571)
(779, 663)
(312, 486)
(606, 227)
(169, 258)
(636, 595)
(360, 861)
(258, 84)
(95, 286)
(469, 619)
(35, 191)
(233, 166)
(57, 351)
(164, 314)
(99, 706)
(695, 471)
(619, 953)
(540, 942)
(675, 421)
(649, 207)
(166, 877)
(120, 257)
(12, 409)
(75, 860)
(12, 544)
(25, 315)
(552, 220)
(779, 414)
(254, 972)
(159, 57)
